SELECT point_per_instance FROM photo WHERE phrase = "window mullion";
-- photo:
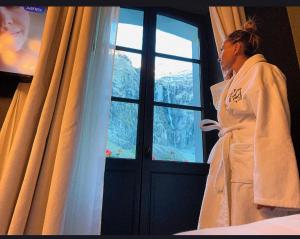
(146, 112)
(187, 107)
(148, 82)
(128, 49)
(173, 57)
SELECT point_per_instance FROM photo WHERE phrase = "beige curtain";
(294, 17)
(84, 203)
(39, 162)
(225, 20)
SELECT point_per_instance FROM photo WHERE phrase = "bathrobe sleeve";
(275, 179)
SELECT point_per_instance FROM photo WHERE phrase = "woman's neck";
(240, 60)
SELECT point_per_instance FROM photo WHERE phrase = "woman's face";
(227, 56)
(14, 25)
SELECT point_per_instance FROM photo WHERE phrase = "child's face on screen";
(14, 26)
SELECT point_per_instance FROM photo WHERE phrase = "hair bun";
(250, 26)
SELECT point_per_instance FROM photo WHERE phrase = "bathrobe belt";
(222, 177)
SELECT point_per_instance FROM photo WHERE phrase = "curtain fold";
(38, 168)
(294, 19)
(225, 20)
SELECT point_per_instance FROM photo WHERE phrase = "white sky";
(131, 36)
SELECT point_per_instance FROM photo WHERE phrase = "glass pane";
(122, 130)
(175, 37)
(126, 75)
(177, 82)
(176, 135)
(130, 28)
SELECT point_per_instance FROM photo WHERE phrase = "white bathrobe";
(253, 162)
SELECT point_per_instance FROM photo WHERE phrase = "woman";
(253, 173)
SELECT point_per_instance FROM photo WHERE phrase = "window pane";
(176, 135)
(130, 28)
(175, 37)
(177, 82)
(122, 130)
(126, 75)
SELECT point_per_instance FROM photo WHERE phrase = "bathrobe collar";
(248, 64)
(217, 89)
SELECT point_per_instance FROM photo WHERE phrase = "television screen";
(21, 30)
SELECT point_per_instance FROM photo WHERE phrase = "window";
(176, 135)
(154, 147)
(156, 87)
(122, 130)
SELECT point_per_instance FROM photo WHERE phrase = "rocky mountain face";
(174, 129)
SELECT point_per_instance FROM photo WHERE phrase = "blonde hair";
(248, 36)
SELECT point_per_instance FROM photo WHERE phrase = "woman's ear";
(237, 48)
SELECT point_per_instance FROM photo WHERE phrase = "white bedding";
(288, 225)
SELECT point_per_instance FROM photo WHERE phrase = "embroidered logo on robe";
(236, 95)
